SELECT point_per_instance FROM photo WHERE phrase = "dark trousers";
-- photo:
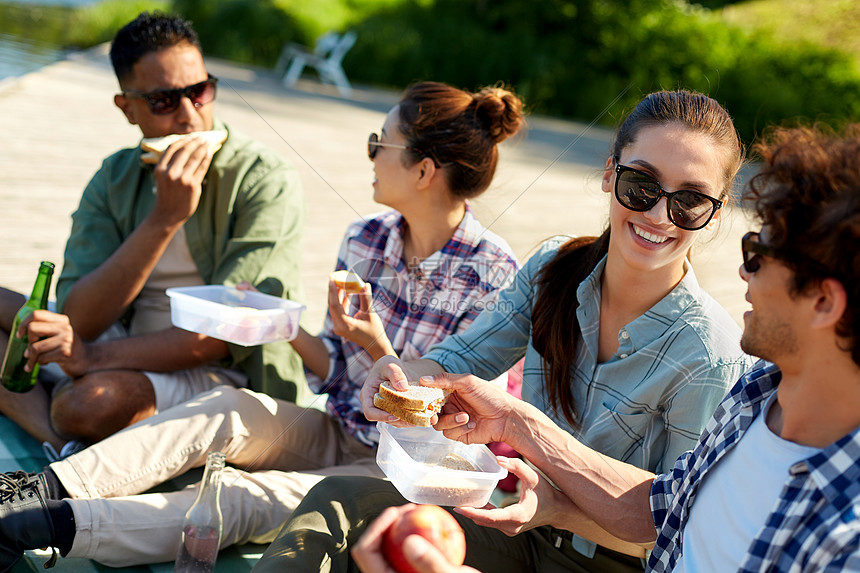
(334, 514)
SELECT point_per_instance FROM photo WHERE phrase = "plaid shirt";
(814, 526)
(419, 306)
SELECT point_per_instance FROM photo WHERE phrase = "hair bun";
(499, 111)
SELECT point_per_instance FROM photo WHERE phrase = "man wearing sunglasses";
(773, 483)
(191, 219)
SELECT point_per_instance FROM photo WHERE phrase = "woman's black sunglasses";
(752, 250)
(373, 145)
(162, 102)
(687, 209)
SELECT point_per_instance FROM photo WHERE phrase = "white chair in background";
(326, 58)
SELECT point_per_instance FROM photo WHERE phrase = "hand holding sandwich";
(474, 411)
(364, 328)
(477, 411)
(397, 374)
(179, 180)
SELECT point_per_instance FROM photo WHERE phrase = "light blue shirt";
(649, 402)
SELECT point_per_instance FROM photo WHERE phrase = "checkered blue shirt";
(419, 306)
(814, 525)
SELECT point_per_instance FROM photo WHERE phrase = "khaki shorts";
(171, 388)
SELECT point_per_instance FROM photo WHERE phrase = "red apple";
(433, 524)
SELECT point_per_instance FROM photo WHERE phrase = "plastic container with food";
(247, 318)
(427, 467)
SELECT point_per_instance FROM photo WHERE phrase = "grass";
(319, 16)
(67, 27)
(831, 23)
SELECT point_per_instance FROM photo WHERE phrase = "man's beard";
(768, 338)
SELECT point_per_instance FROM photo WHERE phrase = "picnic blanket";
(20, 451)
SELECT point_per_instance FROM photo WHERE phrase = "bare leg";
(100, 404)
(30, 410)
(91, 408)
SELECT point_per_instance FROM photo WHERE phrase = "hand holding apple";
(412, 538)
(433, 524)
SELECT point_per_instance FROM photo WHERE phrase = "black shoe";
(25, 522)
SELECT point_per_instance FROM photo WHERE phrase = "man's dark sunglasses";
(687, 209)
(752, 250)
(162, 102)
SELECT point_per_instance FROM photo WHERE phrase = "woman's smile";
(648, 236)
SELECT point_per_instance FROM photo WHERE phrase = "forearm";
(568, 516)
(164, 351)
(100, 298)
(590, 530)
(314, 353)
(612, 493)
(380, 347)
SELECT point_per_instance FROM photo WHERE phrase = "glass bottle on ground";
(201, 529)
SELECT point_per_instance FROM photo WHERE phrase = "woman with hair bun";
(428, 268)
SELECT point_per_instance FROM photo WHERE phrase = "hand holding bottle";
(13, 372)
(52, 339)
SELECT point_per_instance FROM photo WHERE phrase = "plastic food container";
(246, 318)
(411, 459)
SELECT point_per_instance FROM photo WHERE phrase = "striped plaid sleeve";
(664, 489)
(498, 337)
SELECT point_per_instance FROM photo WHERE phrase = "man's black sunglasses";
(687, 209)
(162, 102)
(752, 250)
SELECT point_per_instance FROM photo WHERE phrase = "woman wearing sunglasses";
(429, 267)
(622, 347)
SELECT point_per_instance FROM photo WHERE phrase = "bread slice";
(153, 147)
(348, 281)
(415, 397)
(414, 417)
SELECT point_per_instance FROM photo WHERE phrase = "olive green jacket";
(247, 227)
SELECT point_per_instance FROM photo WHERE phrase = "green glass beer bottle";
(12, 373)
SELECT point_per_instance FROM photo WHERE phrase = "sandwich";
(415, 405)
(154, 147)
(348, 281)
